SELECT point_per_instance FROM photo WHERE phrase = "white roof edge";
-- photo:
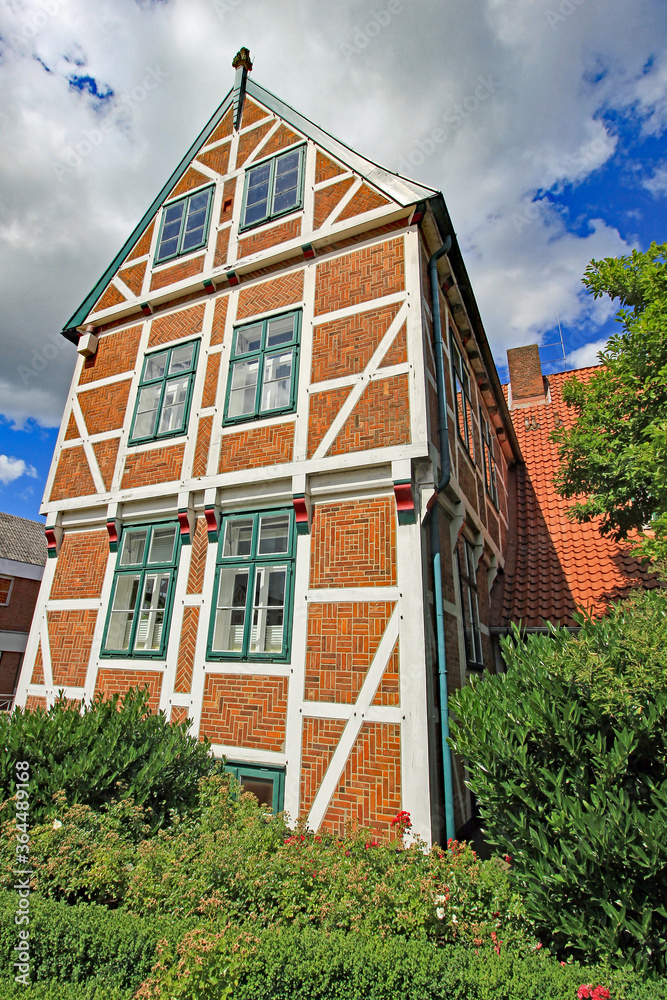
(400, 189)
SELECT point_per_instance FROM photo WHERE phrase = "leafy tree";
(568, 759)
(616, 452)
(111, 750)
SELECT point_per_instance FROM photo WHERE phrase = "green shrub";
(111, 749)
(77, 944)
(51, 990)
(290, 963)
(568, 760)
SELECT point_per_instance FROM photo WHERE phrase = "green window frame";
(184, 225)
(273, 188)
(266, 783)
(264, 368)
(137, 622)
(251, 616)
(470, 604)
(489, 462)
(165, 393)
(462, 401)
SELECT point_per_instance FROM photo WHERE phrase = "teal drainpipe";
(445, 473)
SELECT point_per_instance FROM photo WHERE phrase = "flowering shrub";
(588, 992)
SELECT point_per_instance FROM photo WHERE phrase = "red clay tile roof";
(555, 566)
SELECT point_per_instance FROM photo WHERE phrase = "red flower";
(600, 993)
(508, 859)
(402, 819)
(584, 992)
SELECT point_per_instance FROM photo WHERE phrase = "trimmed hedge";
(51, 990)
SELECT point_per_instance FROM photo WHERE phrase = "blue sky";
(542, 121)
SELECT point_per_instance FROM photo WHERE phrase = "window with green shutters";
(273, 188)
(138, 619)
(263, 368)
(184, 225)
(252, 595)
(165, 390)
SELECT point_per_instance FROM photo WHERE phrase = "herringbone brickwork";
(82, 561)
(270, 237)
(160, 465)
(398, 349)
(322, 408)
(116, 353)
(106, 453)
(219, 319)
(38, 667)
(143, 244)
(326, 168)
(369, 792)
(103, 407)
(198, 557)
(249, 140)
(211, 382)
(179, 713)
(380, 419)
(202, 446)
(388, 692)
(217, 159)
(284, 291)
(184, 323)
(343, 639)
(345, 346)
(365, 200)
(319, 741)
(360, 276)
(110, 297)
(186, 650)
(327, 199)
(221, 247)
(70, 639)
(134, 276)
(191, 179)
(252, 113)
(110, 682)
(245, 711)
(354, 544)
(177, 272)
(224, 127)
(72, 431)
(73, 477)
(281, 138)
(257, 446)
(34, 701)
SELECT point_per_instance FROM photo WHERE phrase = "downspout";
(445, 473)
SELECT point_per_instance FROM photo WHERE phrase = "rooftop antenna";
(561, 359)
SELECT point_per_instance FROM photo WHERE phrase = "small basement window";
(267, 784)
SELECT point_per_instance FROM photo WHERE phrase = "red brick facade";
(354, 544)
(245, 711)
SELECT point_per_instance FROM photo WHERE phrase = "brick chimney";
(528, 385)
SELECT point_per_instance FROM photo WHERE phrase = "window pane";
(273, 534)
(268, 610)
(280, 331)
(171, 230)
(199, 202)
(122, 612)
(132, 552)
(174, 212)
(173, 405)
(156, 366)
(276, 389)
(257, 194)
(151, 616)
(194, 237)
(162, 544)
(243, 392)
(147, 409)
(285, 193)
(230, 612)
(248, 339)
(181, 359)
(261, 788)
(238, 538)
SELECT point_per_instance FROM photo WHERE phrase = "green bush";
(291, 963)
(78, 944)
(568, 760)
(51, 990)
(111, 749)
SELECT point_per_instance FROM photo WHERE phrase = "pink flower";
(584, 992)
(600, 993)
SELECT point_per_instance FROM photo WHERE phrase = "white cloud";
(14, 468)
(586, 355)
(657, 183)
(73, 190)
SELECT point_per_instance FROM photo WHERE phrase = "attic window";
(184, 225)
(273, 188)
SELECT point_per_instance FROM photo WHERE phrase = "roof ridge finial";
(242, 58)
(242, 63)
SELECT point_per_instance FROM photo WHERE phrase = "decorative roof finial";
(242, 58)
